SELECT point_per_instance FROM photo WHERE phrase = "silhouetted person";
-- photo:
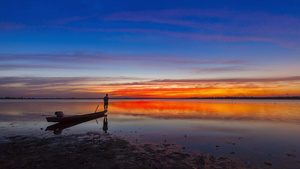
(106, 102)
(105, 124)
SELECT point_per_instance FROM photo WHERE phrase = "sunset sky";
(134, 48)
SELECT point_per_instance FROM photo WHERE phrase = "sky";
(149, 49)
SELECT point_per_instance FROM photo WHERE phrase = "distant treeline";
(43, 98)
(229, 97)
(245, 97)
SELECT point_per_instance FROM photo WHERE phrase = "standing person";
(106, 102)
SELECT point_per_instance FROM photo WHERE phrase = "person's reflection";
(105, 124)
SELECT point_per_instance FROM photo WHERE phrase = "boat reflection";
(59, 127)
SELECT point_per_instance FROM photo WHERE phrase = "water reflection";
(258, 127)
(259, 110)
(262, 110)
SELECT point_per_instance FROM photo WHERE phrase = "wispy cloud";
(11, 26)
(90, 60)
(270, 79)
(70, 19)
(184, 35)
(206, 25)
(220, 25)
(226, 20)
(141, 87)
(61, 80)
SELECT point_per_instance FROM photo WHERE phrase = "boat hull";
(66, 119)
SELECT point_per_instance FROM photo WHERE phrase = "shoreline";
(95, 149)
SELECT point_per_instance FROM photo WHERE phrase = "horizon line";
(216, 97)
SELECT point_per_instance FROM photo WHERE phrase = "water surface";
(253, 130)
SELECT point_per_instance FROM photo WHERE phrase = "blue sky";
(96, 43)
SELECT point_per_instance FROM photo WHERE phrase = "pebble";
(109, 155)
(212, 158)
(230, 142)
(291, 155)
(222, 158)
(268, 163)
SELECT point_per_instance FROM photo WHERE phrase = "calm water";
(253, 130)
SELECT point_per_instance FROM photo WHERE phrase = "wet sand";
(98, 150)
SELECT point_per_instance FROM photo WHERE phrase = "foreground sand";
(95, 150)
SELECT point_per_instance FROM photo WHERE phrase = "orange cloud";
(140, 88)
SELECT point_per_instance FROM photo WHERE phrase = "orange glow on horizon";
(201, 92)
(205, 89)
(167, 89)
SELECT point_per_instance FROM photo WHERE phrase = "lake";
(252, 130)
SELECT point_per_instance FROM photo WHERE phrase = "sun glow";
(183, 91)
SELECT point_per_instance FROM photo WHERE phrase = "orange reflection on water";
(211, 109)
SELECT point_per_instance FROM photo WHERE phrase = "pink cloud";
(71, 19)
(10, 26)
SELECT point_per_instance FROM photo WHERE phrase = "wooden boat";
(57, 128)
(67, 119)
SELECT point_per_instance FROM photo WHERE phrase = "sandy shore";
(96, 150)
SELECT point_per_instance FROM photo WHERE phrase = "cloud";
(275, 79)
(186, 35)
(91, 60)
(61, 80)
(42, 66)
(70, 19)
(215, 19)
(16, 86)
(142, 87)
(219, 25)
(11, 26)
(245, 82)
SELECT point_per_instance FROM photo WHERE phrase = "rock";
(108, 152)
(108, 155)
(291, 155)
(230, 142)
(222, 158)
(211, 158)
(201, 160)
(268, 163)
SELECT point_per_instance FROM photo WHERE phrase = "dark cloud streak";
(275, 79)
